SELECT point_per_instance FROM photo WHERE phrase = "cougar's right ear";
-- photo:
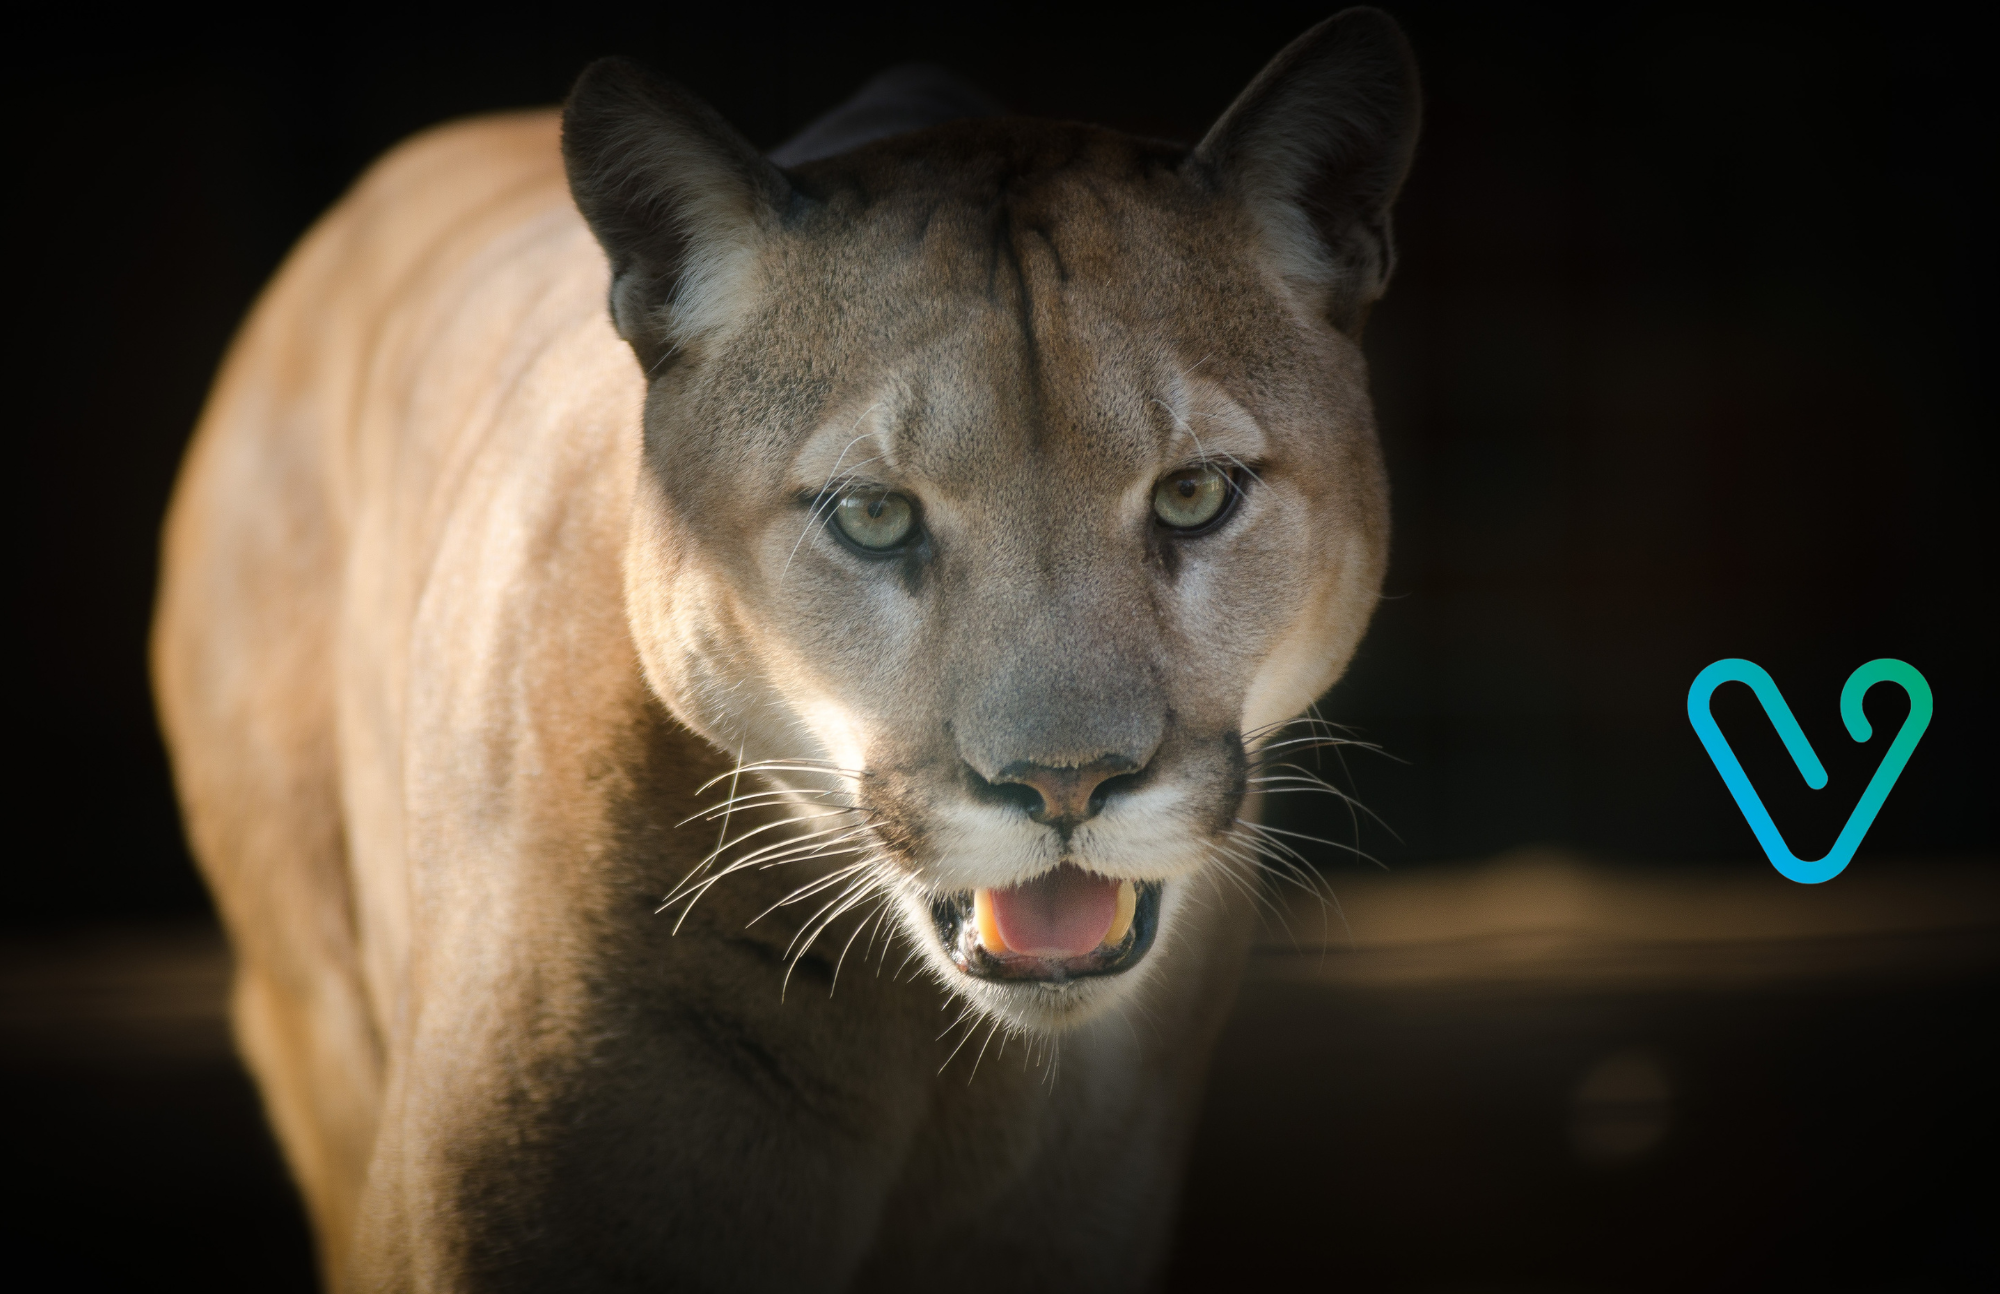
(677, 198)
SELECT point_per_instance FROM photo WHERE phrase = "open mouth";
(1066, 924)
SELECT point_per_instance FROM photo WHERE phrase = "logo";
(1780, 714)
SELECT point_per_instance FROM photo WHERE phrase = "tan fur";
(450, 589)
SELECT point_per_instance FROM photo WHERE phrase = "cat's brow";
(842, 447)
(1207, 425)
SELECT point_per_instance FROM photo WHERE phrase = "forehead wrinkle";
(1100, 436)
(1093, 374)
(966, 416)
(1044, 252)
(1045, 372)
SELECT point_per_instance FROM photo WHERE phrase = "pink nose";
(1067, 793)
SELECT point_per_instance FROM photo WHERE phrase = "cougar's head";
(1004, 483)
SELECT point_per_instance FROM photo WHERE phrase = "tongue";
(1064, 913)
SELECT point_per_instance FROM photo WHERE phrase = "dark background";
(1684, 360)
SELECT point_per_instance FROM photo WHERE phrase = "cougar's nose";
(1068, 796)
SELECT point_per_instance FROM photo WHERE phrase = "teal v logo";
(1863, 817)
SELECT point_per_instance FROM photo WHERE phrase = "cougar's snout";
(1067, 709)
(1064, 797)
(1061, 748)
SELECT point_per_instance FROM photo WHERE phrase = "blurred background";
(1686, 358)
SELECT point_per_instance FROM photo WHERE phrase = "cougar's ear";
(1317, 147)
(678, 200)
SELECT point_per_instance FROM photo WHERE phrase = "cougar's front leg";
(589, 1101)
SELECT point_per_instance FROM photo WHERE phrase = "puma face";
(1006, 485)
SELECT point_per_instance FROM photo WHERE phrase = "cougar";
(753, 788)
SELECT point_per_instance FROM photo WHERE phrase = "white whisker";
(826, 489)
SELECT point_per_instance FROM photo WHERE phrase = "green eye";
(874, 520)
(1191, 498)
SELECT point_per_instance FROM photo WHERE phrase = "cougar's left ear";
(678, 200)
(1317, 147)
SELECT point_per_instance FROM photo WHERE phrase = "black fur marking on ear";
(665, 184)
(1318, 145)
